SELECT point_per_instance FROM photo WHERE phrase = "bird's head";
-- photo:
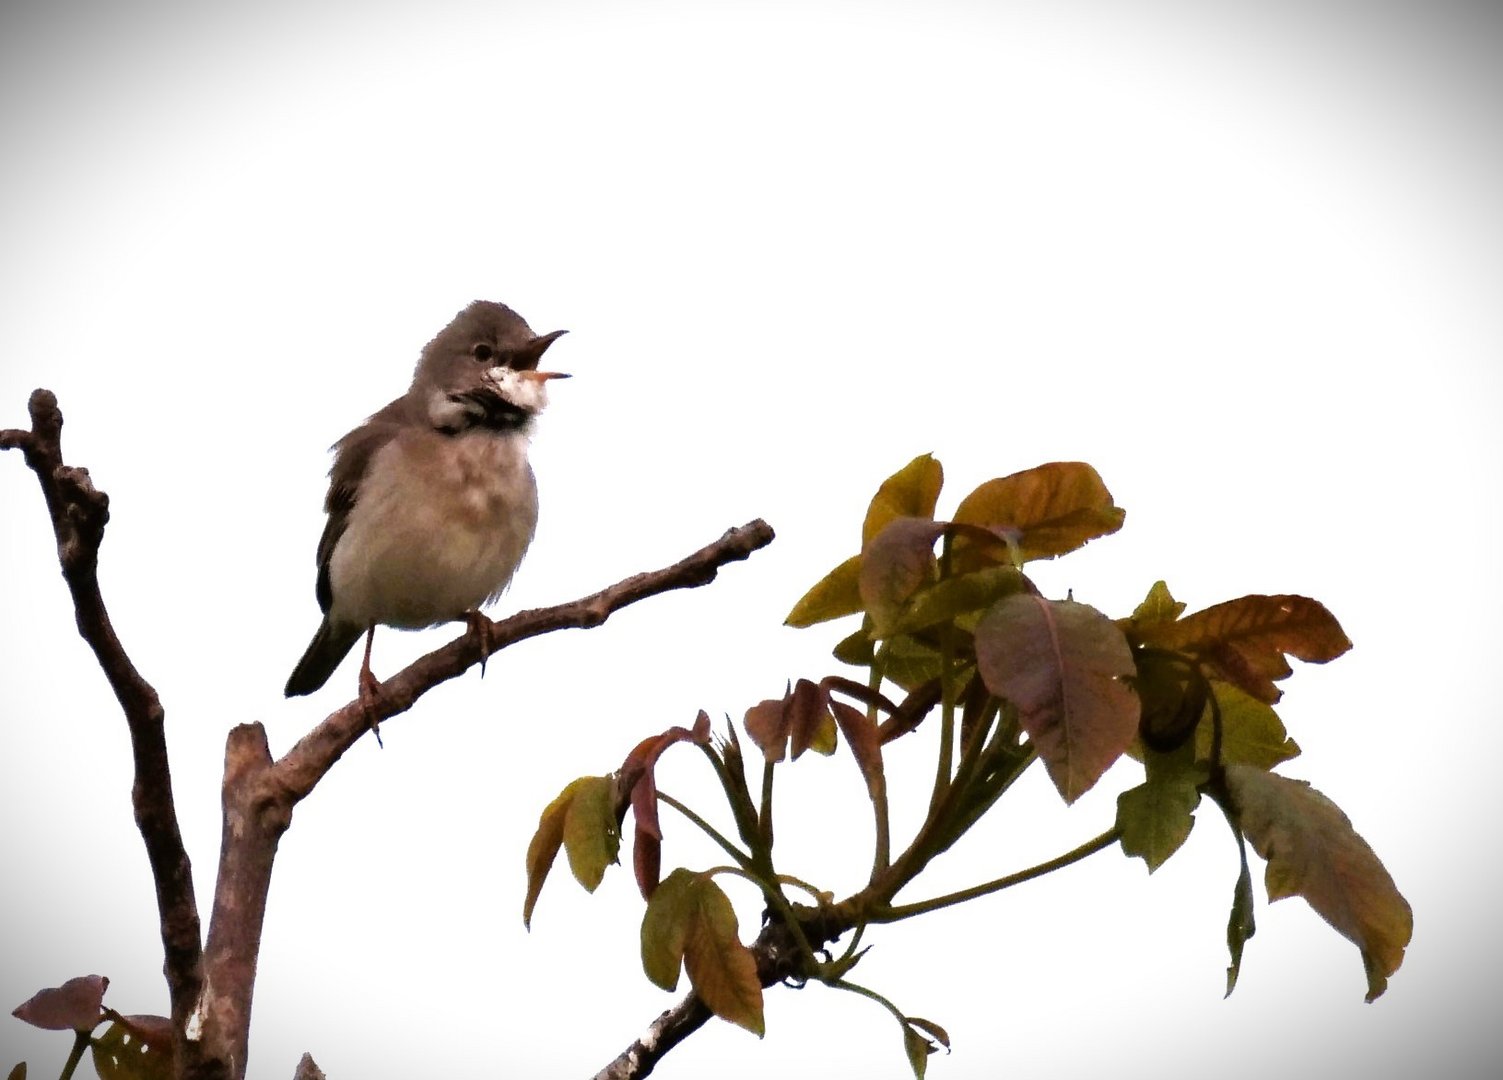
(482, 368)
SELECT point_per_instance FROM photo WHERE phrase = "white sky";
(1244, 258)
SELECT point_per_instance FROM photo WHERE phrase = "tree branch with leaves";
(1002, 677)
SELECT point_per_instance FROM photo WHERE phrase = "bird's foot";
(480, 626)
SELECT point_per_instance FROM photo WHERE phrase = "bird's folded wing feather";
(352, 460)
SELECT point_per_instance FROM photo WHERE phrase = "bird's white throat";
(522, 388)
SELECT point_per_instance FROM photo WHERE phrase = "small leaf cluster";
(957, 640)
(131, 1048)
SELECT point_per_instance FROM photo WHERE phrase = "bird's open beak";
(543, 376)
(526, 358)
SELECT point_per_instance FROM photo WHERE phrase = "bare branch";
(79, 512)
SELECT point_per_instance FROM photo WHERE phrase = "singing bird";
(432, 502)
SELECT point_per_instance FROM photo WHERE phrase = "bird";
(432, 502)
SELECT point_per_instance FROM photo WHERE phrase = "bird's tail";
(328, 647)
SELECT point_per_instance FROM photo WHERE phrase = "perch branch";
(259, 794)
(79, 512)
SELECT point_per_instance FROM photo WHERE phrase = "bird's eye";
(482, 351)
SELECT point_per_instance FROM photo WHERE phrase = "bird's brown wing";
(352, 460)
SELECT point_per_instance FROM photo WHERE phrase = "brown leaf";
(865, 743)
(912, 491)
(766, 724)
(1062, 664)
(74, 1006)
(897, 562)
(17, 1072)
(723, 970)
(1244, 641)
(810, 726)
(1048, 511)
(1313, 851)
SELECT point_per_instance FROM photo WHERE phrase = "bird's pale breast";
(440, 525)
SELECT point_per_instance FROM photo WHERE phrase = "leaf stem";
(80, 1044)
(742, 858)
(943, 769)
(1090, 847)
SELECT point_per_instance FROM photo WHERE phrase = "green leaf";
(920, 1039)
(1159, 606)
(1156, 816)
(908, 662)
(665, 924)
(1313, 851)
(592, 836)
(947, 600)
(912, 491)
(895, 564)
(857, 649)
(1062, 664)
(1251, 732)
(1049, 510)
(834, 596)
(1243, 641)
(1240, 926)
(135, 1048)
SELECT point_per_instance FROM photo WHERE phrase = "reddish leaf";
(866, 744)
(135, 1048)
(810, 726)
(766, 724)
(1048, 511)
(1062, 664)
(912, 491)
(1313, 851)
(646, 859)
(74, 1006)
(897, 562)
(1244, 640)
(834, 596)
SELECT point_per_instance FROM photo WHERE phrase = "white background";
(1244, 258)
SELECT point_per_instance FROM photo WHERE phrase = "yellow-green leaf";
(1312, 851)
(665, 924)
(834, 596)
(135, 1048)
(1156, 816)
(1251, 732)
(912, 491)
(543, 848)
(1049, 510)
(592, 836)
(955, 596)
(1159, 606)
